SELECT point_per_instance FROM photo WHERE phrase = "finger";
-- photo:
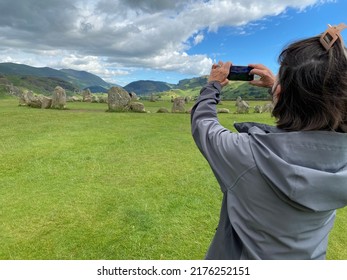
(258, 66)
(224, 83)
(258, 72)
(227, 65)
(257, 83)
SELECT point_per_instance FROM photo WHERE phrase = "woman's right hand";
(267, 78)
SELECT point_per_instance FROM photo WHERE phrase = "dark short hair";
(313, 87)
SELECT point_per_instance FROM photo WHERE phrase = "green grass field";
(85, 184)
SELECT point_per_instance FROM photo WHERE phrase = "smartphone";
(240, 73)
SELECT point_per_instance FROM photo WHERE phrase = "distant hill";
(192, 83)
(245, 90)
(97, 89)
(44, 80)
(84, 79)
(148, 87)
(43, 85)
(191, 88)
(78, 79)
(26, 70)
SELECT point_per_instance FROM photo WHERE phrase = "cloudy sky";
(163, 40)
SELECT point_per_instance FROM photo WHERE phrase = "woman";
(281, 185)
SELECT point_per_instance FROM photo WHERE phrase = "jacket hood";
(307, 169)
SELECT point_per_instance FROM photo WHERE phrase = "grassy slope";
(85, 184)
(230, 92)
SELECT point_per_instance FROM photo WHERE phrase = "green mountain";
(77, 79)
(245, 90)
(44, 80)
(84, 79)
(192, 87)
(42, 85)
(148, 87)
(97, 89)
(155, 87)
(192, 83)
(39, 85)
(26, 70)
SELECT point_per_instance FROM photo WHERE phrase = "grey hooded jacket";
(280, 189)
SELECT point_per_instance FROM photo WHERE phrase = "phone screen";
(240, 73)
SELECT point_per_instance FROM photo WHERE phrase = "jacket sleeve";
(228, 153)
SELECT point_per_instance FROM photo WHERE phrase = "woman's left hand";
(220, 72)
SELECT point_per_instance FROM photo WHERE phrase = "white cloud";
(99, 35)
(198, 39)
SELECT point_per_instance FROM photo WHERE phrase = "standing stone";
(258, 109)
(87, 95)
(242, 107)
(95, 99)
(103, 99)
(58, 98)
(133, 96)
(46, 102)
(238, 101)
(14, 90)
(163, 110)
(23, 100)
(31, 100)
(137, 107)
(152, 98)
(35, 103)
(28, 97)
(76, 99)
(268, 108)
(187, 99)
(178, 105)
(223, 111)
(118, 100)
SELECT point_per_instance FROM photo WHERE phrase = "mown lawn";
(85, 184)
